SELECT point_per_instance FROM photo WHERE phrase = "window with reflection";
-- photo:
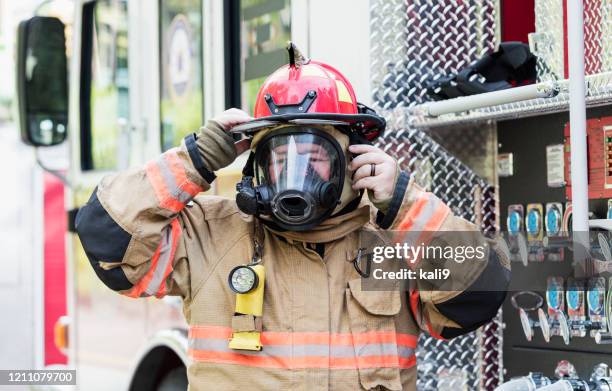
(182, 99)
(110, 109)
(265, 28)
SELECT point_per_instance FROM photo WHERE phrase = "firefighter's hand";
(382, 184)
(234, 117)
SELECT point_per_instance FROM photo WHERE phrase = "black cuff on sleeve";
(196, 159)
(384, 220)
(103, 240)
(479, 303)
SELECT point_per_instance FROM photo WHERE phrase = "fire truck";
(141, 75)
(109, 87)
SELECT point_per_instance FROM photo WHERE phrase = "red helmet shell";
(289, 85)
(306, 91)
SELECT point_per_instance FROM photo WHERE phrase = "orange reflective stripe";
(176, 233)
(418, 216)
(154, 281)
(142, 284)
(435, 222)
(378, 361)
(407, 340)
(262, 361)
(423, 219)
(209, 332)
(166, 201)
(419, 317)
(169, 180)
(177, 168)
(288, 350)
(236, 358)
(414, 306)
(407, 362)
(414, 211)
(303, 338)
(431, 331)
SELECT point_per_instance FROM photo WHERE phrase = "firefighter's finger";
(365, 183)
(235, 110)
(239, 117)
(376, 157)
(362, 148)
(242, 145)
(235, 119)
(232, 117)
(365, 171)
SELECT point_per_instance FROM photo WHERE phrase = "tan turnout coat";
(320, 330)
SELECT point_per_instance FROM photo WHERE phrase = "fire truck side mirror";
(42, 81)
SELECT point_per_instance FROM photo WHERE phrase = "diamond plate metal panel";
(547, 41)
(475, 146)
(473, 361)
(593, 29)
(606, 34)
(413, 41)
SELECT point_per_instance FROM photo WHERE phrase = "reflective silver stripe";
(173, 188)
(405, 351)
(162, 263)
(308, 350)
(386, 349)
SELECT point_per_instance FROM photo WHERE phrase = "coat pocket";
(372, 320)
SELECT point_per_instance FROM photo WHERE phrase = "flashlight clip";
(257, 253)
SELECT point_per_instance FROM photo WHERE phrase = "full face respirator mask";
(294, 177)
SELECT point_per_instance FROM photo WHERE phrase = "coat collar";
(331, 229)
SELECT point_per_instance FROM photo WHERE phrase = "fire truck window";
(110, 83)
(265, 28)
(181, 70)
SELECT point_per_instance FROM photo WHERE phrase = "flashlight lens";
(243, 279)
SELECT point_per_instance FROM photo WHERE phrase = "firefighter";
(271, 281)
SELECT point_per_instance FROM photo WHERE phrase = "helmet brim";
(367, 125)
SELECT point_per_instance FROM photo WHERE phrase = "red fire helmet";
(311, 92)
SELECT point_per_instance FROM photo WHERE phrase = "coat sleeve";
(131, 228)
(476, 288)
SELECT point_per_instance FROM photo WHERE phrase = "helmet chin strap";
(347, 195)
(351, 206)
(247, 170)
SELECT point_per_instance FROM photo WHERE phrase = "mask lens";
(304, 168)
(292, 161)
